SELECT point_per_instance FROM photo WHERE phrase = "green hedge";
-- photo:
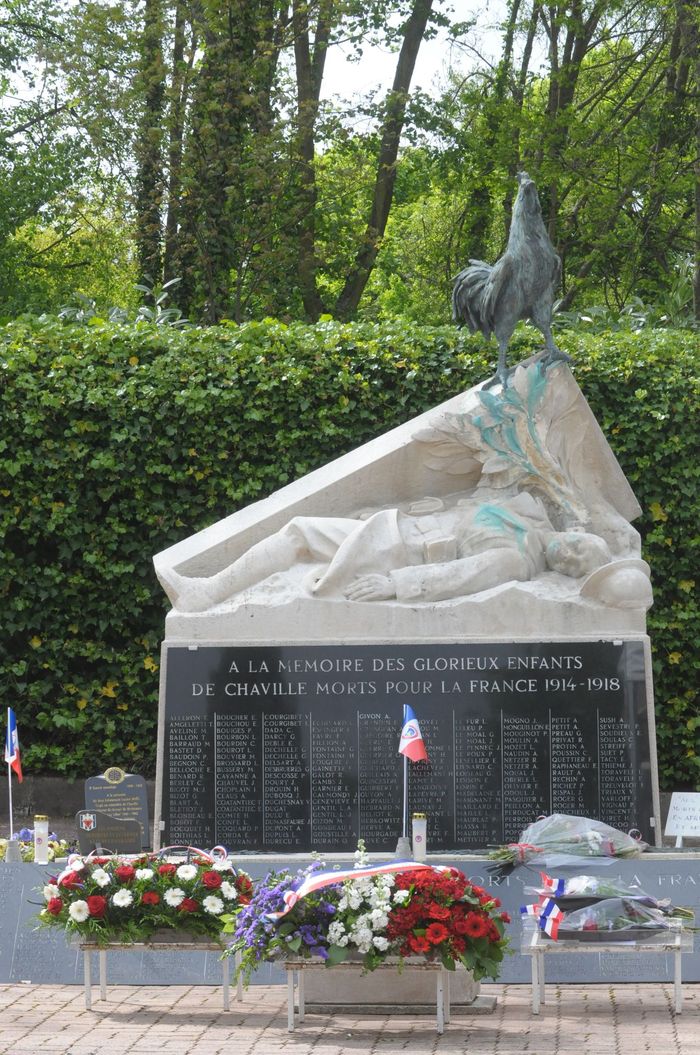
(117, 441)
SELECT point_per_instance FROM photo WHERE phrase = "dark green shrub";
(118, 440)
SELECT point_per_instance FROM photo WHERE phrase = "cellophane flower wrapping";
(127, 900)
(620, 914)
(561, 839)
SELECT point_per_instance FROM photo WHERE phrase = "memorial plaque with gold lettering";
(295, 748)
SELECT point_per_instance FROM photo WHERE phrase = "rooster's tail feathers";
(468, 305)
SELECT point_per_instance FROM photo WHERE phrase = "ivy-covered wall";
(117, 441)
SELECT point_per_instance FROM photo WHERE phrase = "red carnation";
(97, 905)
(54, 906)
(71, 881)
(436, 933)
(125, 873)
(188, 904)
(167, 869)
(475, 926)
(211, 880)
(150, 898)
(418, 943)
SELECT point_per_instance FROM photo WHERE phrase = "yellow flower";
(81, 704)
(150, 664)
(675, 657)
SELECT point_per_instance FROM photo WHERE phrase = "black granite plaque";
(121, 795)
(98, 831)
(289, 749)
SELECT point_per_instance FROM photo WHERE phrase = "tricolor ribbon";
(323, 879)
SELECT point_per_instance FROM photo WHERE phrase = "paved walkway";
(188, 1020)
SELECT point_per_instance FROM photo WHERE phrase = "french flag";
(412, 744)
(550, 918)
(12, 744)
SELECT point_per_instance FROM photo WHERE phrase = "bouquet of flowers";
(560, 839)
(611, 919)
(108, 899)
(25, 837)
(373, 915)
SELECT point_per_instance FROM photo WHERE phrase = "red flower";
(459, 944)
(211, 880)
(97, 905)
(436, 933)
(505, 917)
(149, 897)
(436, 911)
(244, 884)
(125, 873)
(188, 904)
(54, 906)
(475, 926)
(419, 944)
(167, 870)
(71, 881)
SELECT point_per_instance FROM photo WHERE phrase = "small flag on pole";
(412, 744)
(12, 744)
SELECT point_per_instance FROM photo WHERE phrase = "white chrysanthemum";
(380, 943)
(174, 897)
(123, 898)
(186, 872)
(101, 877)
(222, 866)
(79, 911)
(228, 890)
(213, 905)
(400, 896)
(51, 890)
(144, 873)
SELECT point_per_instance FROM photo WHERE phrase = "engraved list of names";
(295, 748)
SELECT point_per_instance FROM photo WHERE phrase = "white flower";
(213, 905)
(186, 872)
(222, 866)
(400, 896)
(380, 943)
(174, 897)
(336, 931)
(101, 877)
(76, 865)
(51, 890)
(380, 920)
(122, 898)
(228, 890)
(144, 873)
(342, 904)
(79, 911)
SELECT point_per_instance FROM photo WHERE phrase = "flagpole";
(405, 783)
(9, 795)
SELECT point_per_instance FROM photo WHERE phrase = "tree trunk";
(394, 117)
(149, 147)
(309, 76)
(178, 103)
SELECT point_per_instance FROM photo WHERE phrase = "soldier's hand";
(371, 588)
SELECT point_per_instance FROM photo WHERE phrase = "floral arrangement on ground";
(128, 900)
(416, 912)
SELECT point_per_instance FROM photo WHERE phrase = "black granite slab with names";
(288, 749)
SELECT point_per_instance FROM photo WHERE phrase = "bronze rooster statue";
(521, 285)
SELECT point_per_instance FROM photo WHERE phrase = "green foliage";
(119, 440)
